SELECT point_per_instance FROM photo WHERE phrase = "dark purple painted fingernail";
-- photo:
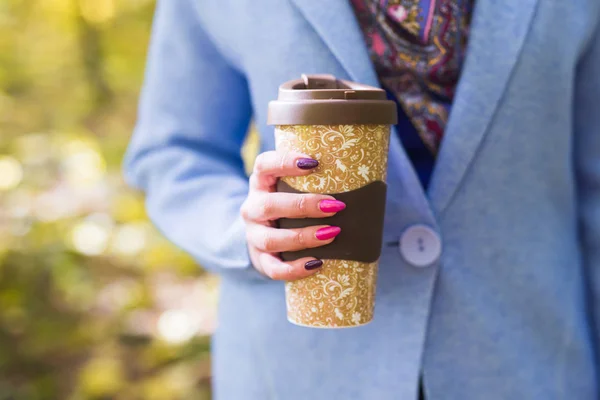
(313, 264)
(307, 163)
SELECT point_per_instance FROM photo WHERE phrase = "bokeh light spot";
(84, 167)
(90, 238)
(176, 326)
(129, 239)
(11, 172)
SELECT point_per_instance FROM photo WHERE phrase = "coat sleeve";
(185, 151)
(587, 163)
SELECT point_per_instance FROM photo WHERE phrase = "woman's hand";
(263, 206)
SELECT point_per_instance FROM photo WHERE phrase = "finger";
(274, 268)
(273, 240)
(271, 206)
(273, 164)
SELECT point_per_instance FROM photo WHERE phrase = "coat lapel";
(498, 32)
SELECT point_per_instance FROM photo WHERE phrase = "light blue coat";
(509, 311)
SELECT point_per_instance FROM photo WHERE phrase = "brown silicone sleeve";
(361, 223)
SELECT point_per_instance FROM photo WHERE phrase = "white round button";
(420, 245)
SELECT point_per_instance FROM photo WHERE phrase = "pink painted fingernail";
(331, 206)
(327, 232)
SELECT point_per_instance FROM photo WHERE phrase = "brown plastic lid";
(325, 100)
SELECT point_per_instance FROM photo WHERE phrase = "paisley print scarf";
(418, 48)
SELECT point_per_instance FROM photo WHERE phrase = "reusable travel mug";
(346, 127)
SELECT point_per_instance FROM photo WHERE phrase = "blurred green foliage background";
(94, 302)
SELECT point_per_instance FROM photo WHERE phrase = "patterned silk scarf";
(418, 48)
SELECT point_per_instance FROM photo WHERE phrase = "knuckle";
(267, 243)
(244, 212)
(266, 208)
(260, 163)
(301, 238)
(281, 274)
(248, 209)
(265, 161)
(275, 274)
(264, 266)
(302, 204)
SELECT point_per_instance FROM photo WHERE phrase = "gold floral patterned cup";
(346, 127)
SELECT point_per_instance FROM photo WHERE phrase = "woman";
(504, 190)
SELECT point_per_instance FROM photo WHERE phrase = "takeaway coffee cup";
(346, 127)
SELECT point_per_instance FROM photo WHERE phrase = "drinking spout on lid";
(319, 81)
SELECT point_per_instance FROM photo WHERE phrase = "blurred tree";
(92, 55)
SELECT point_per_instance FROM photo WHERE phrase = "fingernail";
(328, 232)
(306, 163)
(331, 206)
(313, 264)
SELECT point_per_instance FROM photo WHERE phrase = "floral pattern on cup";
(350, 156)
(342, 293)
